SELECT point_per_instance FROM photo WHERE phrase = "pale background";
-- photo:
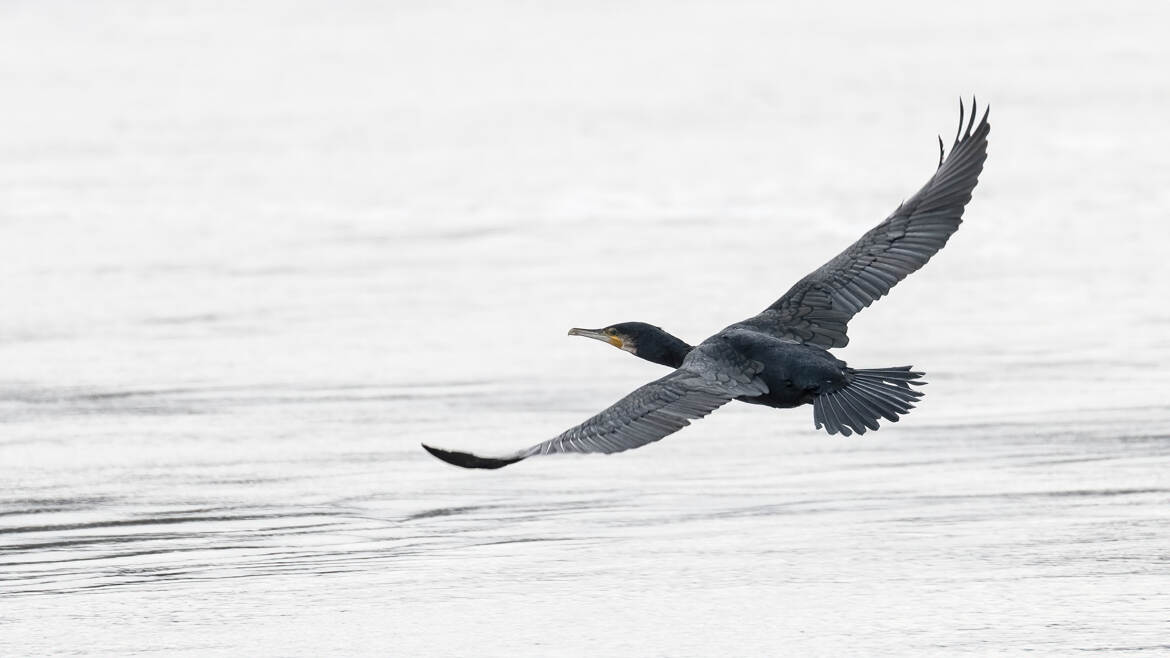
(251, 254)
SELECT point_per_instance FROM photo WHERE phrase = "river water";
(252, 256)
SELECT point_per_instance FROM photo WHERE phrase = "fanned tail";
(871, 394)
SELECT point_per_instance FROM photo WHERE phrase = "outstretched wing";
(817, 309)
(710, 377)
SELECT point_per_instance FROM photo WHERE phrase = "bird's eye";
(611, 331)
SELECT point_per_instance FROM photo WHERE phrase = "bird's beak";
(597, 334)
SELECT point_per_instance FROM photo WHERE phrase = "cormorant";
(779, 358)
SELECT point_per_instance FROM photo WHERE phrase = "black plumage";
(779, 357)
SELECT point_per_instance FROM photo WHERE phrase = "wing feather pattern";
(712, 376)
(818, 308)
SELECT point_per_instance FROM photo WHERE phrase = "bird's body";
(779, 358)
(792, 371)
(795, 373)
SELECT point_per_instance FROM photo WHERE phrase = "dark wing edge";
(817, 309)
(468, 460)
(648, 414)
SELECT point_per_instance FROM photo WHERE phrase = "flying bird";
(780, 357)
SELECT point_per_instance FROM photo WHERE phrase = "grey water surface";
(251, 256)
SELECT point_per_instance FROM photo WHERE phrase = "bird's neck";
(665, 349)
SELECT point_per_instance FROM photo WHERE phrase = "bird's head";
(642, 340)
(623, 336)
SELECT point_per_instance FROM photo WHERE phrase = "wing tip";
(468, 460)
(978, 127)
(971, 136)
(973, 129)
(959, 132)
